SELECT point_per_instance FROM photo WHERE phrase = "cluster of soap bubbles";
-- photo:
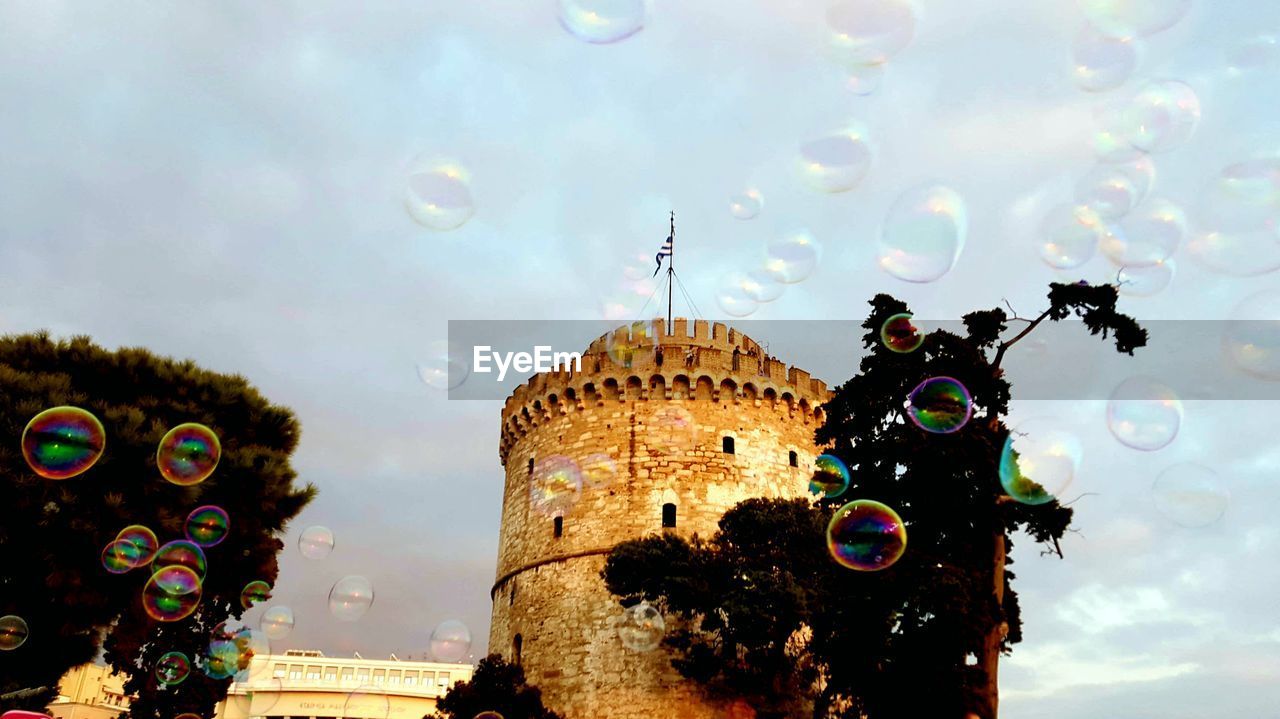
(641, 627)
(790, 258)
(863, 35)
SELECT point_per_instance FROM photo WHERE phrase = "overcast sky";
(223, 181)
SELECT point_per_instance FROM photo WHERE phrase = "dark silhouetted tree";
(766, 616)
(52, 533)
(496, 686)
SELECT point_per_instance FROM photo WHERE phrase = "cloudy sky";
(225, 182)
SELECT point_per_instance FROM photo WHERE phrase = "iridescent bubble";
(188, 715)
(207, 526)
(1069, 236)
(865, 79)
(446, 366)
(63, 442)
(188, 454)
(1144, 414)
(830, 477)
(13, 632)
(255, 592)
(746, 205)
(792, 257)
(554, 486)
(641, 627)
(1252, 337)
(277, 622)
(869, 32)
(1238, 254)
(1162, 116)
(734, 294)
(488, 715)
(836, 162)
(256, 698)
(762, 285)
(367, 702)
(120, 556)
(923, 233)
(1101, 62)
(315, 542)
(171, 594)
(1039, 461)
(1239, 217)
(1130, 18)
(940, 405)
(144, 539)
(1147, 236)
(221, 659)
(1147, 280)
(172, 668)
(603, 21)
(182, 553)
(1112, 190)
(1256, 53)
(1191, 495)
(438, 194)
(350, 598)
(1110, 137)
(628, 343)
(232, 647)
(598, 470)
(450, 641)
(670, 431)
(900, 334)
(866, 536)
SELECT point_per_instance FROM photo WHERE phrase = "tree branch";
(1004, 346)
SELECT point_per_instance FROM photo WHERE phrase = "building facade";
(306, 684)
(669, 432)
(90, 691)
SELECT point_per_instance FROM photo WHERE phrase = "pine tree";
(53, 532)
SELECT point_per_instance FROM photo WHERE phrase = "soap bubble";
(450, 641)
(792, 257)
(207, 526)
(446, 366)
(1239, 217)
(144, 539)
(1147, 236)
(1130, 18)
(1110, 136)
(13, 632)
(1113, 189)
(866, 536)
(1252, 336)
(188, 454)
(1144, 414)
(315, 542)
(641, 627)
(746, 205)
(865, 79)
(277, 622)
(625, 343)
(256, 698)
(62, 442)
(598, 470)
(603, 21)
(1147, 280)
(835, 162)
(488, 715)
(120, 555)
(940, 405)
(1069, 235)
(438, 194)
(830, 477)
(900, 334)
(1256, 53)
(762, 285)
(869, 32)
(554, 486)
(182, 553)
(734, 294)
(172, 668)
(1039, 461)
(171, 594)
(1101, 62)
(350, 598)
(255, 592)
(367, 702)
(1162, 116)
(670, 431)
(1191, 495)
(923, 233)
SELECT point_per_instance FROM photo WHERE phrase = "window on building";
(517, 644)
(393, 677)
(512, 601)
(331, 674)
(362, 676)
(348, 675)
(295, 672)
(313, 672)
(379, 676)
(410, 679)
(793, 459)
(727, 445)
(531, 465)
(443, 679)
(668, 515)
(279, 671)
(557, 527)
(428, 678)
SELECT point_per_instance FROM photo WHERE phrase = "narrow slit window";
(517, 644)
(557, 527)
(793, 459)
(531, 465)
(668, 515)
(727, 445)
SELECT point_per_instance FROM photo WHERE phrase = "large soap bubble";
(1191, 495)
(641, 628)
(866, 535)
(63, 442)
(1039, 460)
(603, 21)
(836, 162)
(923, 233)
(1144, 413)
(1252, 336)
(450, 641)
(1132, 18)
(869, 32)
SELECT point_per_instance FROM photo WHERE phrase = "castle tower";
(675, 432)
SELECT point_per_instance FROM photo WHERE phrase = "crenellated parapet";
(641, 361)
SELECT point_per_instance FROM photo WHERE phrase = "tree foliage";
(765, 615)
(53, 532)
(496, 686)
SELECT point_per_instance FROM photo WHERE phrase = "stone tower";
(691, 424)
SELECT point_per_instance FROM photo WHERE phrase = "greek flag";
(666, 251)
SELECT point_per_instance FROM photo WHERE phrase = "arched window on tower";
(668, 515)
(727, 445)
(531, 465)
(557, 527)
(517, 644)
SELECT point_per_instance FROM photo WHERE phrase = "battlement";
(641, 361)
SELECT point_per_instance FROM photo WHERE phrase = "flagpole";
(671, 270)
